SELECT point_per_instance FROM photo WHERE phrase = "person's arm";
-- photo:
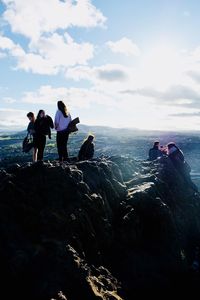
(56, 120)
(28, 127)
(36, 126)
(50, 121)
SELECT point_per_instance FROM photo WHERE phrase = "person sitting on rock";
(155, 152)
(87, 149)
(176, 155)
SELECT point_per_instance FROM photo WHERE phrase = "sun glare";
(161, 67)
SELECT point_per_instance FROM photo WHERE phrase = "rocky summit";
(110, 228)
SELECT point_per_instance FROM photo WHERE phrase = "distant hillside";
(108, 142)
(106, 130)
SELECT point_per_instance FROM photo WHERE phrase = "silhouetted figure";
(177, 157)
(155, 152)
(61, 122)
(42, 126)
(31, 131)
(87, 149)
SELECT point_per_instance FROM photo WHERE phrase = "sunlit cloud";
(124, 46)
(73, 97)
(12, 119)
(48, 55)
(106, 73)
(174, 95)
(195, 75)
(34, 18)
(186, 114)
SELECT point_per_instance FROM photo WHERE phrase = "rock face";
(104, 229)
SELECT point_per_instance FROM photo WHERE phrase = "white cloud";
(48, 55)
(124, 46)
(12, 119)
(48, 52)
(34, 18)
(110, 73)
(62, 50)
(6, 43)
(184, 96)
(2, 55)
(73, 97)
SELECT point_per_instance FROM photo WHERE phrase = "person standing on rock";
(31, 132)
(61, 122)
(42, 126)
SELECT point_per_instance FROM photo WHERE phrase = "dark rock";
(102, 229)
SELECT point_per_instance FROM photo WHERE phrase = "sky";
(114, 63)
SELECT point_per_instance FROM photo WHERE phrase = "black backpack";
(27, 143)
(72, 125)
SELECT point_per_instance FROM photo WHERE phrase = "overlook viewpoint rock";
(102, 229)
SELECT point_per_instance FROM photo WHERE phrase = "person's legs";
(59, 145)
(65, 140)
(41, 146)
(35, 150)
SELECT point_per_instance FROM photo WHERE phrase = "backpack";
(72, 125)
(27, 143)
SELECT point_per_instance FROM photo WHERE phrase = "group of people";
(171, 150)
(41, 126)
(176, 156)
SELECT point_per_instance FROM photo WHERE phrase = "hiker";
(175, 154)
(31, 132)
(177, 157)
(155, 152)
(87, 148)
(42, 126)
(61, 122)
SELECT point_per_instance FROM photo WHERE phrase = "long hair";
(62, 107)
(39, 112)
(89, 138)
(172, 144)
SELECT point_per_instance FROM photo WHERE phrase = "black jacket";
(42, 126)
(155, 153)
(86, 151)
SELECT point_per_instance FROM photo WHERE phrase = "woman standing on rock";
(42, 127)
(61, 122)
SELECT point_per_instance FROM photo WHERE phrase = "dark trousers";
(61, 139)
(40, 142)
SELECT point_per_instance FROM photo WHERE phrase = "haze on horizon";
(114, 63)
